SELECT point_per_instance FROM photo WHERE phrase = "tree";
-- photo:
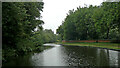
(49, 36)
(93, 22)
(60, 31)
(19, 21)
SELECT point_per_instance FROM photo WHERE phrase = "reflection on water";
(69, 56)
(51, 44)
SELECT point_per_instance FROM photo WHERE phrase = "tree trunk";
(107, 33)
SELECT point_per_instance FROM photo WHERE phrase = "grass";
(115, 46)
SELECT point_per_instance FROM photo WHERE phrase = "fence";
(114, 41)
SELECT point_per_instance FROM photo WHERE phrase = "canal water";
(60, 55)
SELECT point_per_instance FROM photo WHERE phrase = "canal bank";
(112, 46)
(14, 54)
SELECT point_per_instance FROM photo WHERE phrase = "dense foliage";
(91, 23)
(19, 21)
(49, 36)
(22, 28)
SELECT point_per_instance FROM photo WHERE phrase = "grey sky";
(55, 11)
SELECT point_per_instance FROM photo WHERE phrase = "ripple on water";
(71, 56)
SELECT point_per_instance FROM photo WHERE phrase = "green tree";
(93, 22)
(19, 21)
(49, 36)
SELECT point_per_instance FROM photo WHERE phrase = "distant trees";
(43, 36)
(93, 22)
(49, 36)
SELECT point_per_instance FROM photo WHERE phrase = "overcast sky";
(55, 11)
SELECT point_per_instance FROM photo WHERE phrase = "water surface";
(69, 56)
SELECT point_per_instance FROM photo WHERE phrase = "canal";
(60, 55)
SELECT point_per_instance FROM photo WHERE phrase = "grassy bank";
(102, 45)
